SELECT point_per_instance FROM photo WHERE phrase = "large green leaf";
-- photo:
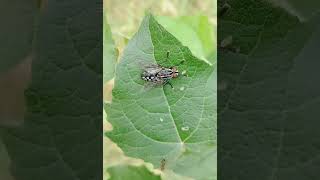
(109, 51)
(268, 99)
(17, 31)
(178, 124)
(123, 172)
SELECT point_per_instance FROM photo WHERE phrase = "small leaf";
(123, 172)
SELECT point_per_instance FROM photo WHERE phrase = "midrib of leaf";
(169, 109)
(178, 46)
(167, 103)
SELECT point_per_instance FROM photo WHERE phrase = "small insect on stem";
(162, 164)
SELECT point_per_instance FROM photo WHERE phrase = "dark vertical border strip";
(268, 98)
(61, 136)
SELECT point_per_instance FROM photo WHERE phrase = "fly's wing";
(157, 82)
(150, 67)
(165, 73)
(155, 69)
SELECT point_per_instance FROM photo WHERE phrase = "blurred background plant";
(193, 22)
(125, 16)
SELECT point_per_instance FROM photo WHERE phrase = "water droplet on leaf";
(185, 128)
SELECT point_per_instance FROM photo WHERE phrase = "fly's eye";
(176, 74)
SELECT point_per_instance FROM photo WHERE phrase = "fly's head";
(175, 72)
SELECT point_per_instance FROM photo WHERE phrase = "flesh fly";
(160, 75)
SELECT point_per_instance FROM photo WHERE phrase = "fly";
(160, 75)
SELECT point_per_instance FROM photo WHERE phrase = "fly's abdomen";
(158, 75)
(148, 77)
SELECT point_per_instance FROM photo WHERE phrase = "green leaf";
(110, 53)
(17, 31)
(267, 94)
(123, 172)
(178, 125)
(61, 136)
(194, 32)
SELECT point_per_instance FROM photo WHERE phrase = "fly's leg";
(167, 82)
(170, 85)
(178, 64)
(181, 62)
(167, 57)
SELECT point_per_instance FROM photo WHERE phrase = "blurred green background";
(124, 16)
(193, 22)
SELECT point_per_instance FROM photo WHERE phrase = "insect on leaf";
(178, 124)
